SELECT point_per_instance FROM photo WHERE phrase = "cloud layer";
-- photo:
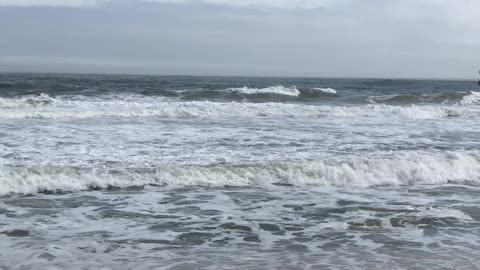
(50, 3)
(367, 38)
(283, 4)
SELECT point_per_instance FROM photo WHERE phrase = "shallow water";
(279, 227)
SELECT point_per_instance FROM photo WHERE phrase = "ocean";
(182, 172)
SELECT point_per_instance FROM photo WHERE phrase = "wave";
(400, 168)
(250, 93)
(286, 91)
(330, 91)
(277, 90)
(27, 101)
(4, 84)
(472, 98)
(459, 98)
(44, 106)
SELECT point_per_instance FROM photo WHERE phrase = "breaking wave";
(27, 101)
(459, 98)
(472, 98)
(44, 106)
(277, 90)
(286, 91)
(330, 91)
(401, 168)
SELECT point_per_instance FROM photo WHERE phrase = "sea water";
(152, 172)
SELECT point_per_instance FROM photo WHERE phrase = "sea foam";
(400, 168)
(330, 91)
(472, 98)
(44, 106)
(277, 90)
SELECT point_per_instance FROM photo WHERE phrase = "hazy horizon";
(39, 73)
(428, 39)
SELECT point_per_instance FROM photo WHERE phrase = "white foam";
(326, 90)
(277, 90)
(138, 106)
(400, 168)
(27, 101)
(379, 99)
(472, 98)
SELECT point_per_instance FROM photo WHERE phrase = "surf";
(391, 169)
(78, 107)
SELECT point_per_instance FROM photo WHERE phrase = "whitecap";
(400, 168)
(277, 90)
(472, 98)
(327, 90)
(65, 107)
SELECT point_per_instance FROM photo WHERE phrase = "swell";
(400, 168)
(430, 98)
(276, 93)
(61, 107)
(292, 93)
(389, 92)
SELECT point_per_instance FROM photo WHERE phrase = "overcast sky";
(311, 38)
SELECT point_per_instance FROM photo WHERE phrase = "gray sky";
(312, 38)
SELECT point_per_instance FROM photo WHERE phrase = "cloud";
(49, 3)
(279, 4)
(465, 11)
(408, 38)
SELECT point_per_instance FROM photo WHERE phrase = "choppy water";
(135, 172)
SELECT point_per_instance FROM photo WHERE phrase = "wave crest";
(431, 98)
(27, 101)
(327, 90)
(77, 107)
(472, 98)
(401, 168)
(276, 90)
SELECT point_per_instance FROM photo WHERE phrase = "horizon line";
(237, 76)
